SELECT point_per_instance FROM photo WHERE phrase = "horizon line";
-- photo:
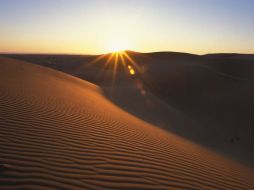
(139, 52)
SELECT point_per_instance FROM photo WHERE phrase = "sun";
(117, 45)
(118, 58)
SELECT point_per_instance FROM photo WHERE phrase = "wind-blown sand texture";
(59, 132)
(208, 99)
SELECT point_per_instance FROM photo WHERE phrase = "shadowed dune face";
(59, 132)
(216, 92)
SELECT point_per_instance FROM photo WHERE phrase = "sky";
(101, 26)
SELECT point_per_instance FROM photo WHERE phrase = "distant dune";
(60, 132)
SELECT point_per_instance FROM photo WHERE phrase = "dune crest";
(59, 132)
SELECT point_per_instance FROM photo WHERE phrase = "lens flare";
(131, 70)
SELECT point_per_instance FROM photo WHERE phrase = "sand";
(60, 132)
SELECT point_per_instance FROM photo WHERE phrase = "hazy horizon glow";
(97, 26)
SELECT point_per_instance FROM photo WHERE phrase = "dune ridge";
(59, 132)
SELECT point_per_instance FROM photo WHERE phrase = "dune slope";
(207, 99)
(59, 132)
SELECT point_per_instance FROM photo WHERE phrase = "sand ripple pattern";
(58, 132)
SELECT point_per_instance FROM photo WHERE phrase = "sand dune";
(59, 132)
(207, 99)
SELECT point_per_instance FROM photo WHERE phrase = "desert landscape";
(207, 99)
(126, 95)
(58, 131)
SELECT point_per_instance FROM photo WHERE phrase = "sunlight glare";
(117, 45)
